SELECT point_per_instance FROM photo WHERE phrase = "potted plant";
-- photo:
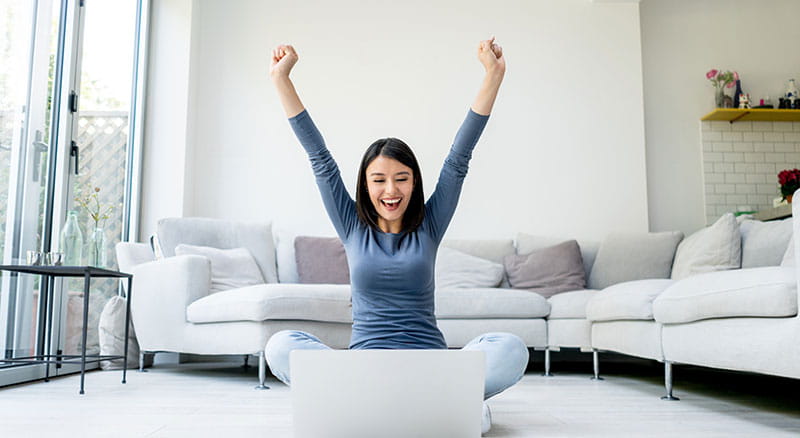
(789, 181)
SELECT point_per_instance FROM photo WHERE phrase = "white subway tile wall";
(741, 161)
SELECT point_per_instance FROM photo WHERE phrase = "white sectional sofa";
(739, 319)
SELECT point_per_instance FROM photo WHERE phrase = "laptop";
(387, 393)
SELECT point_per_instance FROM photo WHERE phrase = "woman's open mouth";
(391, 204)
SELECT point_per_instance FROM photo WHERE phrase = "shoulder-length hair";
(396, 149)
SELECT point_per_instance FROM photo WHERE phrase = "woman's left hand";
(490, 54)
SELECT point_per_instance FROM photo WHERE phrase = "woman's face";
(390, 184)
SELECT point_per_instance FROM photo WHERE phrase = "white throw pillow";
(714, 248)
(455, 269)
(788, 256)
(230, 268)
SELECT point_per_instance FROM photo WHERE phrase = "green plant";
(96, 209)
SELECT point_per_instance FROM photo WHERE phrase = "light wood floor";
(218, 400)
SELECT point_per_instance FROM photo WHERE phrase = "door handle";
(74, 151)
(39, 147)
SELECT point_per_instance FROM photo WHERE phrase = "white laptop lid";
(387, 393)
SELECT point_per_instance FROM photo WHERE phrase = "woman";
(391, 235)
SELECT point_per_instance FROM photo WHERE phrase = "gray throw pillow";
(634, 256)
(764, 243)
(547, 271)
(321, 260)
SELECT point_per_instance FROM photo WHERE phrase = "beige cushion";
(714, 248)
(634, 256)
(547, 271)
(321, 260)
(456, 269)
(570, 305)
(764, 243)
(230, 268)
(632, 300)
(755, 292)
(486, 303)
(313, 302)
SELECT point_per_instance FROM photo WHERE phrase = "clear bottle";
(791, 91)
(72, 240)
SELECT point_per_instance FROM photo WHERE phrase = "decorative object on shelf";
(791, 93)
(96, 250)
(737, 94)
(721, 80)
(790, 182)
(744, 101)
(72, 240)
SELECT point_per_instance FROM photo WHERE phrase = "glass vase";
(96, 248)
(719, 97)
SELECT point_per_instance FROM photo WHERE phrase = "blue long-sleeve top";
(391, 274)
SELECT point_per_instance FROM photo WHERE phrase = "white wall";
(167, 125)
(563, 152)
(681, 41)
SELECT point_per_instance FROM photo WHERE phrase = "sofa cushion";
(547, 271)
(634, 256)
(489, 249)
(487, 303)
(455, 269)
(788, 256)
(327, 303)
(764, 243)
(230, 268)
(754, 292)
(527, 243)
(223, 234)
(321, 260)
(570, 305)
(714, 248)
(632, 300)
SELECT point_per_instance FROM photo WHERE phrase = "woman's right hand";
(284, 57)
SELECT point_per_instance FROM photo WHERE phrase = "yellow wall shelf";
(753, 115)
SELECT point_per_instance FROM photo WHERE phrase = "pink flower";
(711, 73)
(729, 85)
(735, 76)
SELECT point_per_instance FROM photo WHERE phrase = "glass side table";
(49, 274)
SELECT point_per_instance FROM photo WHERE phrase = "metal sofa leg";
(668, 381)
(262, 371)
(596, 365)
(142, 355)
(547, 363)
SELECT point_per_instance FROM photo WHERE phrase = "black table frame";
(87, 272)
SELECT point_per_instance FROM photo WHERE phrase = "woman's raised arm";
(284, 57)
(491, 56)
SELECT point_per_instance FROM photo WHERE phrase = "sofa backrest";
(222, 234)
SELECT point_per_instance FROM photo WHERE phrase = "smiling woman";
(390, 178)
(391, 236)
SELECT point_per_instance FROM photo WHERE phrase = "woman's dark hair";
(398, 150)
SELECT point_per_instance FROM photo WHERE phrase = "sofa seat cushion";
(632, 300)
(754, 292)
(276, 301)
(487, 303)
(570, 305)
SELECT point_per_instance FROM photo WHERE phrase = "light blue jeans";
(506, 356)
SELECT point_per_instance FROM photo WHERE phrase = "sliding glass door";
(31, 44)
(68, 85)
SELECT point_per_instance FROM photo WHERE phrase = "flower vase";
(96, 248)
(719, 97)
